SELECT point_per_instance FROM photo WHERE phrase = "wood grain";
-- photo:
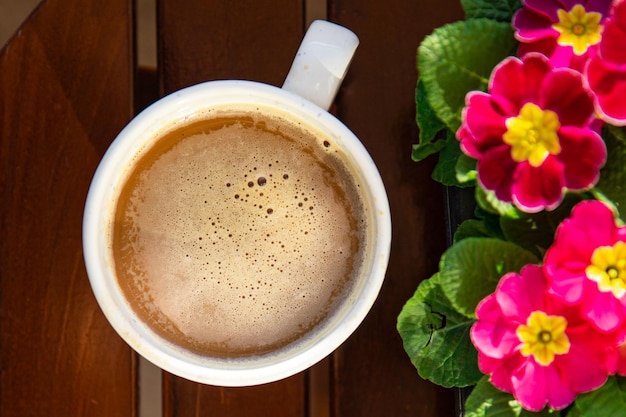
(203, 40)
(65, 92)
(285, 398)
(373, 376)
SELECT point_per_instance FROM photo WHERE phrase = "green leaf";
(607, 401)
(488, 201)
(471, 269)
(428, 124)
(573, 412)
(613, 176)
(501, 10)
(491, 220)
(422, 151)
(436, 338)
(535, 232)
(446, 169)
(466, 169)
(471, 228)
(486, 400)
(458, 58)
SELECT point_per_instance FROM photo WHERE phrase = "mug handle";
(321, 62)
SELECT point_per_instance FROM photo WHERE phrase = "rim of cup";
(199, 101)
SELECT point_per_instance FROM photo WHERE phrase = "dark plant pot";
(459, 204)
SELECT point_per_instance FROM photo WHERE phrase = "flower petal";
(562, 92)
(596, 220)
(546, 8)
(500, 370)
(583, 153)
(531, 26)
(598, 353)
(534, 386)
(559, 393)
(581, 370)
(598, 6)
(608, 82)
(602, 309)
(483, 125)
(496, 170)
(493, 334)
(566, 284)
(538, 188)
(590, 225)
(519, 295)
(516, 82)
(614, 35)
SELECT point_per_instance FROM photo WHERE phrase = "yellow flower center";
(533, 134)
(578, 29)
(608, 268)
(543, 337)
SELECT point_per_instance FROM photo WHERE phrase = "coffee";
(238, 234)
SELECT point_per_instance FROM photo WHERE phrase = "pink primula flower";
(586, 264)
(537, 347)
(566, 31)
(532, 133)
(606, 72)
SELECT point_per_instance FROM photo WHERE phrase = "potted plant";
(525, 104)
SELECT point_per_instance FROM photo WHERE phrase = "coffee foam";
(240, 238)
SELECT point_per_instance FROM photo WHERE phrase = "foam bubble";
(223, 259)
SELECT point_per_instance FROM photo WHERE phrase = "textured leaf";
(458, 58)
(573, 412)
(535, 232)
(429, 126)
(424, 150)
(436, 338)
(488, 201)
(466, 169)
(613, 176)
(446, 169)
(491, 220)
(501, 10)
(607, 401)
(471, 228)
(471, 269)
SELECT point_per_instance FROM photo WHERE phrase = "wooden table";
(69, 83)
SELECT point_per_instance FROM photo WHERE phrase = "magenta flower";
(532, 133)
(586, 264)
(566, 31)
(606, 71)
(536, 347)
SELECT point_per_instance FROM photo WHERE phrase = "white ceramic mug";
(311, 85)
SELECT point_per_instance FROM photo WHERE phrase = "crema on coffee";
(238, 234)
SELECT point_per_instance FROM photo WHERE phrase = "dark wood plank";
(204, 40)
(65, 92)
(185, 398)
(372, 375)
(209, 40)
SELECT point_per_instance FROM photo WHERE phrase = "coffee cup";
(236, 233)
